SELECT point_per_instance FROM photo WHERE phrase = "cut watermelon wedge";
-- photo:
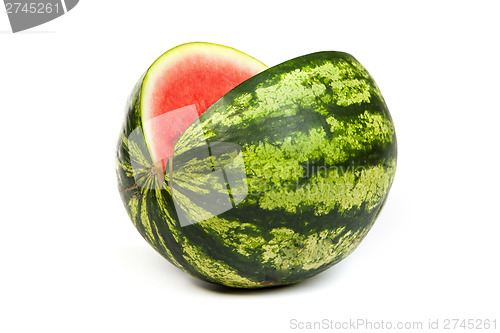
(182, 84)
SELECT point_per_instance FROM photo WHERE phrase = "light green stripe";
(215, 270)
(164, 249)
(289, 249)
(144, 219)
(234, 234)
(332, 189)
(133, 208)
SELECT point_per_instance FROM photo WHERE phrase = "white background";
(71, 260)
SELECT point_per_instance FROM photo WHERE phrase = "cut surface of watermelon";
(182, 84)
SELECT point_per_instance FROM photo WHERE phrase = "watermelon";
(278, 180)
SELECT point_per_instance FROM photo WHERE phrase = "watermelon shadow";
(310, 284)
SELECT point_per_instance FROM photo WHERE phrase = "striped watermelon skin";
(319, 151)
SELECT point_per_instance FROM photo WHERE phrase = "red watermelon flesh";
(182, 84)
